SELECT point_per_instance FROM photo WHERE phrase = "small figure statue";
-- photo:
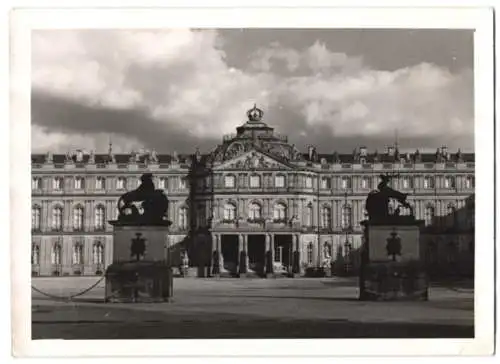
(153, 157)
(69, 157)
(92, 157)
(175, 157)
(49, 158)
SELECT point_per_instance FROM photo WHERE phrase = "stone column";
(242, 255)
(269, 254)
(217, 261)
(296, 267)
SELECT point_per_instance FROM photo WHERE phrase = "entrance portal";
(256, 253)
(229, 250)
(283, 254)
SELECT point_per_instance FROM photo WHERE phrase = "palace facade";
(254, 198)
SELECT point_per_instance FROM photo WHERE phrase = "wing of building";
(254, 193)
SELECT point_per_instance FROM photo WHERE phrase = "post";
(242, 259)
(296, 268)
(269, 255)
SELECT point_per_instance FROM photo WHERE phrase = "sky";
(179, 89)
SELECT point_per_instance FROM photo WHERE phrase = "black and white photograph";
(194, 182)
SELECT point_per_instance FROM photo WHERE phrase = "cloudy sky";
(180, 89)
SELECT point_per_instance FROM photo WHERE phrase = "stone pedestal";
(392, 261)
(141, 269)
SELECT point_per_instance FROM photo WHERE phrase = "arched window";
(98, 253)
(346, 182)
(57, 183)
(254, 211)
(57, 216)
(35, 254)
(326, 217)
(121, 183)
(346, 217)
(309, 215)
(55, 254)
(280, 211)
(428, 182)
(279, 181)
(35, 218)
(449, 182)
(183, 217)
(310, 253)
(78, 218)
(254, 181)
(100, 216)
(79, 183)
(100, 183)
(229, 212)
(429, 215)
(469, 182)
(78, 253)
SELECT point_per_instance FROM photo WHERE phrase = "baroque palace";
(254, 193)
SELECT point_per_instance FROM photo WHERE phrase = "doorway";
(283, 254)
(256, 253)
(229, 250)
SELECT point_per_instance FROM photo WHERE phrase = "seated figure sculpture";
(154, 204)
(377, 202)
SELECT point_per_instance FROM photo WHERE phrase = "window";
(36, 183)
(346, 217)
(407, 182)
(309, 215)
(78, 253)
(55, 254)
(279, 181)
(326, 183)
(57, 218)
(57, 183)
(346, 182)
(278, 253)
(182, 183)
(429, 215)
(100, 183)
(309, 182)
(183, 218)
(365, 182)
(254, 211)
(162, 183)
(35, 218)
(229, 212)
(121, 183)
(254, 181)
(469, 182)
(79, 183)
(280, 211)
(78, 218)
(310, 253)
(100, 215)
(449, 182)
(229, 181)
(35, 254)
(326, 217)
(428, 182)
(98, 253)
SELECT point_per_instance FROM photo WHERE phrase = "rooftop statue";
(154, 204)
(377, 202)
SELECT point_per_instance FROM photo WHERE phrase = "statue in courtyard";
(377, 202)
(154, 203)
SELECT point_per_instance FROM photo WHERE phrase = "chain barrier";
(68, 298)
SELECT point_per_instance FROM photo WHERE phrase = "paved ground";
(251, 308)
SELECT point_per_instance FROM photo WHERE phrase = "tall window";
(346, 182)
(346, 217)
(78, 218)
(365, 182)
(309, 215)
(35, 218)
(279, 211)
(254, 211)
(310, 253)
(229, 181)
(255, 181)
(229, 212)
(326, 217)
(79, 183)
(183, 217)
(278, 253)
(162, 183)
(35, 254)
(57, 215)
(279, 181)
(121, 183)
(309, 182)
(98, 253)
(100, 216)
(449, 182)
(407, 182)
(429, 215)
(55, 254)
(57, 183)
(100, 183)
(469, 182)
(326, 183)
(182, 183)
(428, 182)
(36, 183)
(78, 253)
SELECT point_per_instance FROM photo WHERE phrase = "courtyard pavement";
(249, 308)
